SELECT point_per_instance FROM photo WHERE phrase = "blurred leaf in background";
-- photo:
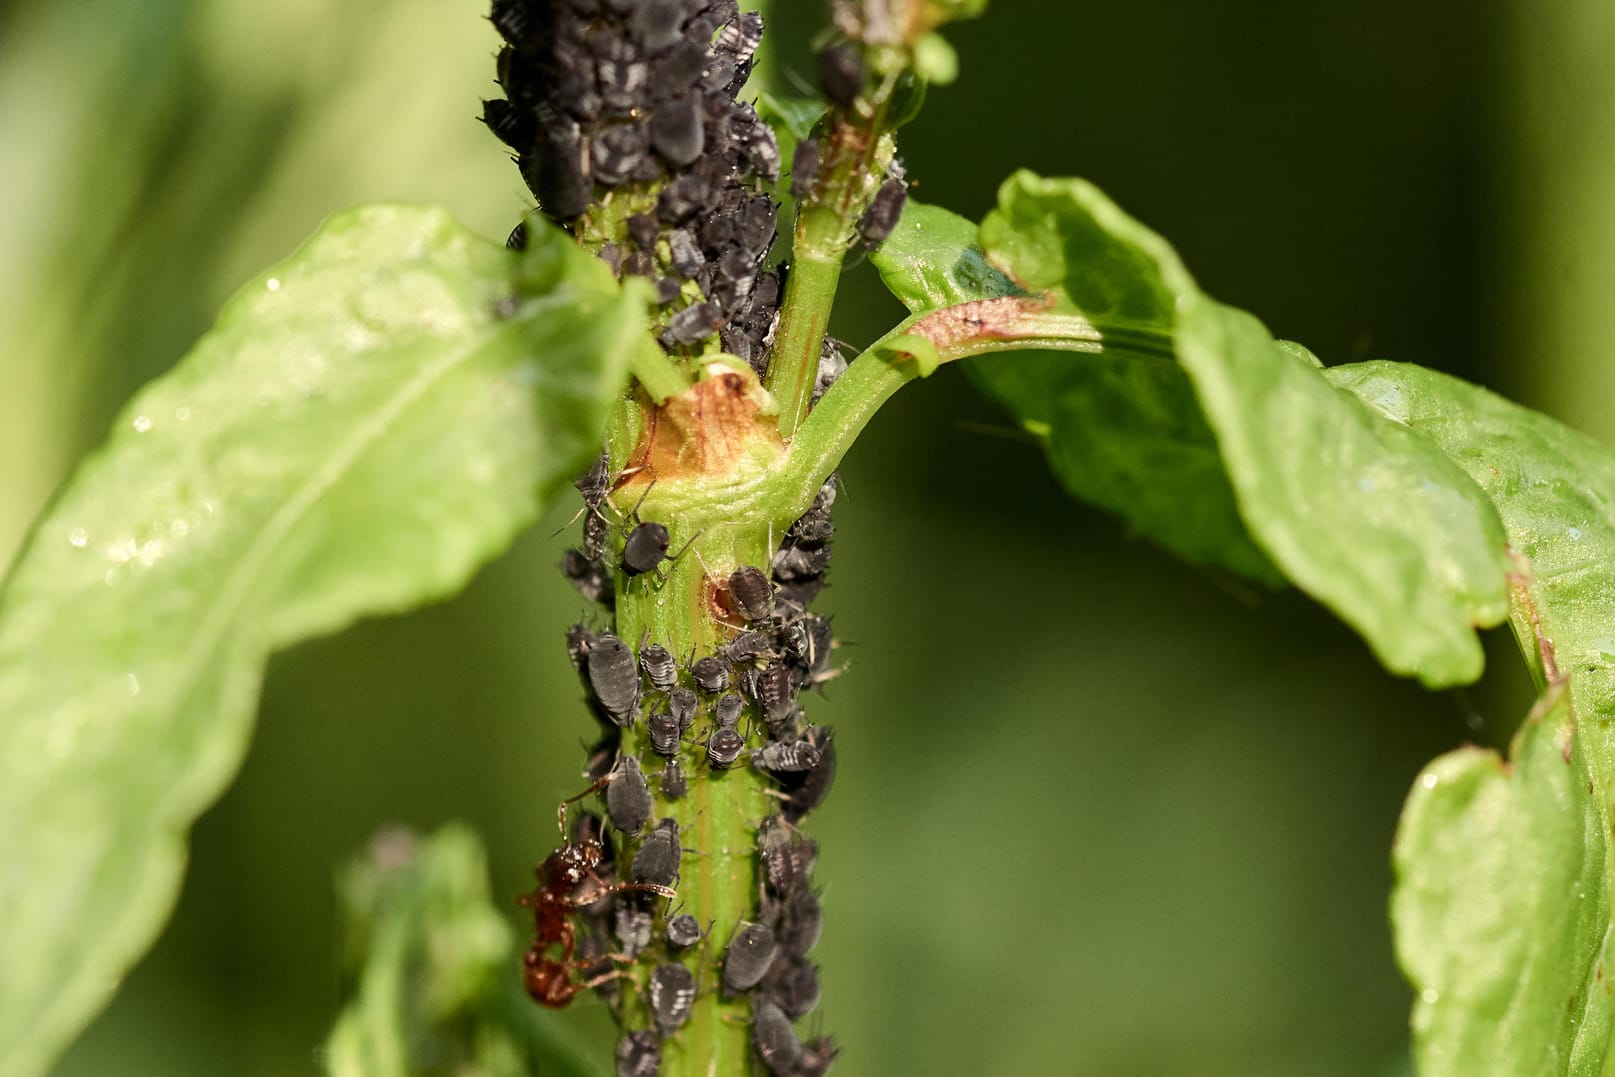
(1127, 820)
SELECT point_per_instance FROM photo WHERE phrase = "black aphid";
(591, 577)
(657, 861)
(683, 930)
(744, 647)
(710, 674)
(748, 956)
(594, 483)
(517, 240)
(693, 324)
(508, 123)
(793, 984)
(776, 1042)
(816, 1057)
(674, 784)
(659, 667)
(797, 920)
(672, 995)
(724, 747)
(800, 562)
(804, 169)
(784, 757)
(677, 131)
(726, 712)
(685, 253)
(741, 36)
(639, 1054)
(579, 640)
(774, 696)
(663, 730)
(632, 927)
(594, 534)
(807, 790)
(752, 594)
(614, 678)
(841, 72)
(681, 702)
(646, 546)
(656, 23)
(881, 216)
(787, 855)
(628, 799)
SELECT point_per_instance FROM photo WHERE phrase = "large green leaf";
(368, 423)
(432, 968)
(1555, 491)
(1239, 449)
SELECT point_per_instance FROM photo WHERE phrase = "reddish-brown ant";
(567, 882)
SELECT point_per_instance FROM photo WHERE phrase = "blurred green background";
(1098, 812)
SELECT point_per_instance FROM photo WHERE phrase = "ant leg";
(595, 788)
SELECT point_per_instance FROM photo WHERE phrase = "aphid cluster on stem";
(637, 99)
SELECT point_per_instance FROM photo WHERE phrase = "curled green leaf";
(368, 423)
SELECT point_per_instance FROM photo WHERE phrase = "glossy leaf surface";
(1218, 441)
(1529, 949)
(368, 423)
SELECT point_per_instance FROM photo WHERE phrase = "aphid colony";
(599, 906)
(637, 98)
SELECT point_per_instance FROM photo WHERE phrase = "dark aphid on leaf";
(747, 957)
(804, 169)
(716, 14)
(832, 364)
(638, 263)
(513, 21)
(683, 930)
(639, 1054)
(663, 730)
(674, 784)
(881, 216)
(611, 254)
(660, 668)
(724, 747)
(628, 799)
(841, 73)
(517, 240)
(658, 858)
(814, 527)
(682, 703)
(667, 290)
(726, 713)
(643, 230)
(752, 594)
(710, 674)
(677, 131)
(676, 70)
(756, 225)
(684, 196)
(775, 1040)
(614, 677)
(672, 996)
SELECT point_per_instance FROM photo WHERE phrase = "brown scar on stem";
(981, 319)
(707, 430)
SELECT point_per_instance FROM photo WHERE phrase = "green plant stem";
(981, 327)
(661, 378)
(718, 819)
(810, 290)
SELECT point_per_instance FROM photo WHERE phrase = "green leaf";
(931, 260)
(1501, 907)
(431, 970)
(1553, 488)
(368, 423)
(1371, 520)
